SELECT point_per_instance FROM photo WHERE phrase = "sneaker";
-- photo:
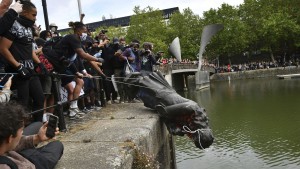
(115, 101)
(96, 108)
(85, 110)
(109, 102)
(72, 115)
(77, 111)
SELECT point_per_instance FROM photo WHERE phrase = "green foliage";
(256, 25)
(188, 27)
(147, 25)
(112, 31)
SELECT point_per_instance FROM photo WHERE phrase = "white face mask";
(83, 36)
(48, 39)
(53, 29)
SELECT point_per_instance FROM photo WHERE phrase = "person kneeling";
(18, 150)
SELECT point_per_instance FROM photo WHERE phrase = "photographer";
(19, 151)
(146, 59)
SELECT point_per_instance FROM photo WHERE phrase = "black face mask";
(25, 22)
(116, 46)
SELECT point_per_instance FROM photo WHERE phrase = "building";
(123, 21)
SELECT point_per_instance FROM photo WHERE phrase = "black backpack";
(9, 162)
(49, 50)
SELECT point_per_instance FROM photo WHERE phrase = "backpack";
(49, 50)
(9, 162)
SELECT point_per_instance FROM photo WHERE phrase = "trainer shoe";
(86, 110)
(108, 102)
(77, 111)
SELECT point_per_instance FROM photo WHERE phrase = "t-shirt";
(21, 47)
(108, 56)
(67, 46)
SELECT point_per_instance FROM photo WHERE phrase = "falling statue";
(181, 116)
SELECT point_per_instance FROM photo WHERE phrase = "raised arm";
(4, 5)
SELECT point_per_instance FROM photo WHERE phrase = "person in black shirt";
(108, 53)
(70, 48)
(16, 46)
(146, 59)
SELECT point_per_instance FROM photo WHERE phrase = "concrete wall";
(251, 74)
(107, 139)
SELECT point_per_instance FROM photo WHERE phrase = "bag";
(127, 69)
(51, 55)
(9, 162)
(52, 43)
(46, 63)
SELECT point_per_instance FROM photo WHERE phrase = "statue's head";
(190, 119)
(198, 129)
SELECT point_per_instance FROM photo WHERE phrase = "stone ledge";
(105, 139)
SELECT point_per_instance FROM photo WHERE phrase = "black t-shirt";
(21, 48)
(108, 56)
(117, 62)
(67, 46)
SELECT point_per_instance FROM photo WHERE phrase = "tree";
(147, 25)
(188, 27)
(234, 39)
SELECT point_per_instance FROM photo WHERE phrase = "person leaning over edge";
(13, 143)
(70, 48)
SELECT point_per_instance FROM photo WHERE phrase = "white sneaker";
(72, 115)
(77, 111)
(109, 102)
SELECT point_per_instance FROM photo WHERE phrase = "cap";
(115, 40)
(53, 25)
(40, 42)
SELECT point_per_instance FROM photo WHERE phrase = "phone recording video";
(52, 125)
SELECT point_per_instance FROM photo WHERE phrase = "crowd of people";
(33, 59)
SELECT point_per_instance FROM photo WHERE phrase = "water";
(256, 124)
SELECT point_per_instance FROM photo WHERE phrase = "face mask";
(53, 29)
(25, 22)
(83, 36)
(48, 39)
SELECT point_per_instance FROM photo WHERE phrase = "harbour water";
(256, 124)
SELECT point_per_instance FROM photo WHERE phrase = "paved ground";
(105, 138)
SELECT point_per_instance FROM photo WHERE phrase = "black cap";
(40, 42)
(115, 40)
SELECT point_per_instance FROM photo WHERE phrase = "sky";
(61, 12)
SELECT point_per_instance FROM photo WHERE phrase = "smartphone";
(52, 125)
(5, 79)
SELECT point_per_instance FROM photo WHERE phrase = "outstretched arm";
(85, 55)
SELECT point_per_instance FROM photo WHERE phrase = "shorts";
(46, 82)
(67, 79)
(88, 84)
